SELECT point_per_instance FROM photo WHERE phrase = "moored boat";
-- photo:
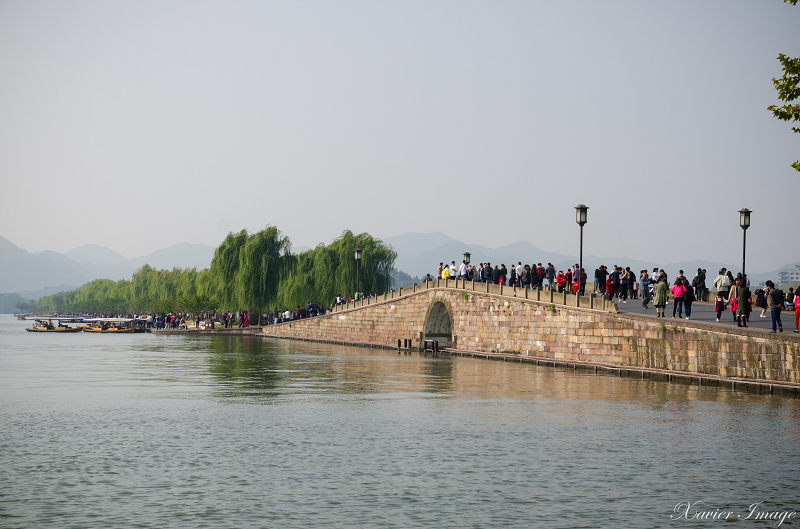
(47, 326)
(117, 330)
(114, 325)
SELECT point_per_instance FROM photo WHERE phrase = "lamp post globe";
(580, 214)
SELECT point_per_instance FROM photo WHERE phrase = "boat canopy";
(109, 320)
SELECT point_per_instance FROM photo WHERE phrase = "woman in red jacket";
(610, 288)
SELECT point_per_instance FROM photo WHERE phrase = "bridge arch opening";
(439, 323)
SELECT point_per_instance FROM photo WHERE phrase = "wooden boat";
(114, 325)
(110, 329)
(47, 326)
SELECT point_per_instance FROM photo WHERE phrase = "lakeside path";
(218, 329)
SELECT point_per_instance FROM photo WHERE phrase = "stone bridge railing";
(559, 299)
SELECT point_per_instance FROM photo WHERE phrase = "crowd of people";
(655, 287)
(734, 292)
(519, 275)
(309, 310)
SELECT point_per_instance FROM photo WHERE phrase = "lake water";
(152, 431)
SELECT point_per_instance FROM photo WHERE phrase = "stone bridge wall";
(588, 331)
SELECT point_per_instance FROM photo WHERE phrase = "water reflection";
(150, 431)
(254, 367)
(244, 367)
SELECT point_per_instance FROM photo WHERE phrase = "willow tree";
(224, 266)
(324, 272)
(205, 288)
(303, 281)
(140, 285)
(377, 261)
(262, 264)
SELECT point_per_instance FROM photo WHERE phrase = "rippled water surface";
(153, 431)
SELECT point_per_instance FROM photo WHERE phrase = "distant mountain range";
(33, 275)
(420, 253)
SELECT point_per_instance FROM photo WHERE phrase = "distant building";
(790, 275)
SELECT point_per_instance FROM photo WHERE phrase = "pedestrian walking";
(733, 300)
(678, 290)
(644, 287)
(719, 305)
(742, 302)
(688, 298)
(796, 312)
(775, 303)
(602, 275)
(624, 280)
(722, 283)
(561, 280)
(761, 300)
(631, 282)
(550, 274)
(660, 293)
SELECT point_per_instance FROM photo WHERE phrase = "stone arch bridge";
(465, 316)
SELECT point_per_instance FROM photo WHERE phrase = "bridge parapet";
(558, 299)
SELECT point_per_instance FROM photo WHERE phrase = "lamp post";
(580, 218)
(466, 262)
(744, 222)
(358, 266)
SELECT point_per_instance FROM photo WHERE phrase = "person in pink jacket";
(678, 290)
(796, 312)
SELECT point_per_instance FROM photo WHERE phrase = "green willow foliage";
(225, 266)
(324, 272)
(262, 263)
(249, 271)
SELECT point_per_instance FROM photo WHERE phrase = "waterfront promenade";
(704, 313)
(218, 329)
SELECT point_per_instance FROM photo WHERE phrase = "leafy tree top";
(788, 87)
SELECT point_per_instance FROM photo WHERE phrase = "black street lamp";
(466, 257)
(358, 266)
(580, 218)
(744, 222)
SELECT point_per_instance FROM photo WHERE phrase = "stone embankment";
(541, 326)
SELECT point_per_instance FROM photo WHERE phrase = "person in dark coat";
(742, 302)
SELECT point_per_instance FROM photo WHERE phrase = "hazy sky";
(138, 125)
